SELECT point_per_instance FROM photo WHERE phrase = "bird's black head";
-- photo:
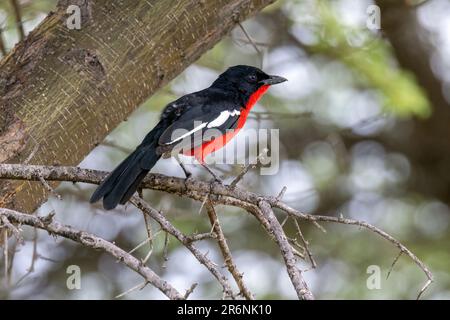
(246, 79)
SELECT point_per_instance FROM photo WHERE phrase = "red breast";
(208, 147)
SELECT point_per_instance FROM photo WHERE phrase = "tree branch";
(258, 205)
(81, 82)
(295, 274)
(226, 253)
(2, 44)
(92, 241)
(187, 242)
(18, 17)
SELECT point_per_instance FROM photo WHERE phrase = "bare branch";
(18, 17)
(34, 256)
(187, 242)
(200, 236)
(49, 188)
(365, 225)
(92, 241)
(226, 253)
(190, 290)
(393, 264)
(5, 223)
(258, 52)
(247, 168)
(199, 191)
(148, 228)
(165, 250)
(306, 244)
(2, 44)
(295, 274)
(139, 286)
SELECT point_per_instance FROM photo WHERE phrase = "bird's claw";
(188, 178)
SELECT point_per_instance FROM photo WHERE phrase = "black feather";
(123, 181)
(230, 92)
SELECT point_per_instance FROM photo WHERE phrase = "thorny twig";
(165, 250)
(139, 286)
(49, 188)
(190, 290)
(306, 244)
(258, 52)
(168, 227)
(393, 264)
(295, 274)
(198, 190)
(248, 167)
(148, 228)
(226, 253)
(92, 241)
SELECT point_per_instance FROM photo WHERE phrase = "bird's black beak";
(273, 80)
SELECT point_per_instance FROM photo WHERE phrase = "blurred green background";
(363, 133)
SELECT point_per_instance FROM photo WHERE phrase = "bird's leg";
(187, 173)
(212, 173)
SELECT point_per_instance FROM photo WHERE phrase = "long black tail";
(123, 181)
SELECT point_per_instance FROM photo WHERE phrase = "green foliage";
(370, 58)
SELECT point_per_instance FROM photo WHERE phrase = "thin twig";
(294, 273)
(190, 290)
(393, 264)
(282, 193)
(368, 226)
(5, 223)
(197, 190)
(18, 17)
(242, 174)
(92, 241)
(200, 236)
(226, 253)
(148, 228)
(168, 227)
(247, 168)
(258, 52)
(49, 188)
(34, 256)
(139, 286)
(2, 44)
(165, 250)
(306, 244)
(144, 242)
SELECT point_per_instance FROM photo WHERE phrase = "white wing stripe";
(223, 116)
(188, 133)
(221, 119)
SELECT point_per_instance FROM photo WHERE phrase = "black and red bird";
(223, 106)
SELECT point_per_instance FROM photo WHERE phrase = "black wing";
(200, 118)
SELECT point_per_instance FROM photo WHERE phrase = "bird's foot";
(189, 178)
(187, 173)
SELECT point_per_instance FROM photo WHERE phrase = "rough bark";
(429, 151)
(62, 91)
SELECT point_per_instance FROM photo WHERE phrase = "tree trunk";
(62, 91)
(427, 145)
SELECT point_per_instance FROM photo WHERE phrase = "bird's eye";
(252, 78)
